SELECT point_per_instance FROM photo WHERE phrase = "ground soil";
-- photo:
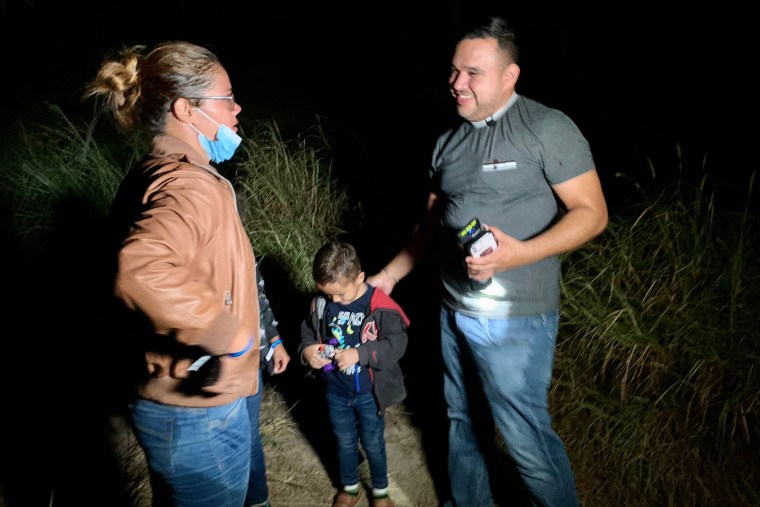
(300, 471)
(300, 454)
(298, 441)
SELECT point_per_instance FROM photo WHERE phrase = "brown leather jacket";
(186, 271)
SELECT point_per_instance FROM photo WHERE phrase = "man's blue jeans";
(197, 456)
(258, 493)
(355, 416)
(511, 361)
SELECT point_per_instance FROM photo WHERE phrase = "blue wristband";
(278, 341)
(245, 349)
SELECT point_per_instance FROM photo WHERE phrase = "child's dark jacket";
(384, 340)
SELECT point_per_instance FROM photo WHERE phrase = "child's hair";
(336, 261)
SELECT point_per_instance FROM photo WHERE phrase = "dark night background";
(638, 79)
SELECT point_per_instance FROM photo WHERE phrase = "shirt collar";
(491, 120)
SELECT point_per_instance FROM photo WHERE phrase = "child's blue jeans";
(355, 417)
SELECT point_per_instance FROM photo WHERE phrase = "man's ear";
(360, 277)
(182, 109)
(512, 72)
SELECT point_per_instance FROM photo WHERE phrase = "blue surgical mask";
(225, 144)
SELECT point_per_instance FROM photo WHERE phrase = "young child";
(356, 336)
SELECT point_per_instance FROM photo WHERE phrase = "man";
(510, 164)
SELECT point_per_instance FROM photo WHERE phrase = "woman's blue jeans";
(511, 361)
(258, 493)
(196, 456)
(355, 416)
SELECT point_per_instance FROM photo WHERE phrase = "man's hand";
(381, 281)
(506, 255)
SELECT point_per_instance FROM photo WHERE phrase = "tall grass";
(657, 380)
(658, 368)
(289, 202)
(53, 164)
(292, 203)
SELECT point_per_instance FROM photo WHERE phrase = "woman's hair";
(139, 88)
(334, 262)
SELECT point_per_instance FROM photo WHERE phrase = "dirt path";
(298, 460)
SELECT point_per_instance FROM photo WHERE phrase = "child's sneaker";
(346, 499)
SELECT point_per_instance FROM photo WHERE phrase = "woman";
(185, 277)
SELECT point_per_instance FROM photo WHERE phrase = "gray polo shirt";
(501, 171)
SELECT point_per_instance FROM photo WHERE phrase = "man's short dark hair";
(498, 29)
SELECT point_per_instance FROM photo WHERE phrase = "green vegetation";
(291, 204)
(658, 368)
(657, 379)
(283, 186)
(45, 166)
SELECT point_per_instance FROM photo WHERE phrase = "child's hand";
(281, 359)
(345, 357)
(311, 355)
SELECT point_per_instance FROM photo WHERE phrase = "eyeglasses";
(229, 98)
